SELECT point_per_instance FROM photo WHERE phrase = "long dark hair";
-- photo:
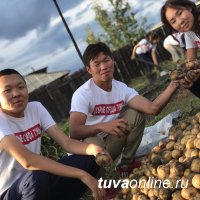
(180, 4)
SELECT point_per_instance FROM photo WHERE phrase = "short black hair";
(93, 50)
(8, 71)
(177, 4)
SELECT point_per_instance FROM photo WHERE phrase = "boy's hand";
(93, 149)
(118, 127)
(103, 159)
(92, 183)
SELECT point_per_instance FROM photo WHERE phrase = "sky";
(33, 36)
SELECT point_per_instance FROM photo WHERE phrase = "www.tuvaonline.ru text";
(150, 183)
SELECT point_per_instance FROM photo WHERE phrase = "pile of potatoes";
(188, 70)
(176, 159)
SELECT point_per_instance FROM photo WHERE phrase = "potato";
(135, 176)
(135, 196)
(156, 191)
(171, 162)
(162, 144)
(177, 195)
(179, 146)
(177, 74)
(173, 182)
(195, 166)
(176, 169)
(187, 182)
(176, 154)
(170, 145)
(147, 172)
(195, 153)
(153, 155)
(187, 173)
(144, 190)
(191, 75)
(197, 143)
(102, 159)
(188, 153)
(183, 125)
(186, 132)
(189, 192)
(154, 171)
(192, 64)
(173, 137)
(163, 171)
(196, 181)
(186, 138)
(195, 131)
(153, 198)
(155, 162)
(197, 115)
(195, 120)
(187, 162)
(125, 190)
(142, 182)
(196, 126)
(182, 159)
(151, 193)
(156, 149)
(166, 156)
(164, 194)
(134, 190)
(142, 197)
(190, 144)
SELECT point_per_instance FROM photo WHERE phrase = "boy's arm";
(32, 161)
(71, 145)
(154, 57)
(78, 129)
(144, 105)
(191, 54)
(134, 51)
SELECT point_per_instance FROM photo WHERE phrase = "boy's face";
(13, 95)
(101, 68)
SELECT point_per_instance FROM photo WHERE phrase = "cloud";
(149, 9)
(33, 35)
(33, 42)
(76, 16)
(19, 17)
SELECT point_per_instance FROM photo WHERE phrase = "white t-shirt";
(145, 46)
(180, 36)
(28, 130)
(169, 40)
(99, 105)
(191, 40)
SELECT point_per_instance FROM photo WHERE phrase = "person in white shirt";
(107, 112)
(173, 44)
(24, 173)
(146, 50)
(183, 16)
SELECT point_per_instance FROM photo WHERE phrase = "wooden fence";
(56, 96)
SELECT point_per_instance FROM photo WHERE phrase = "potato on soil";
(102, 159)
(189, 192)
(196, 181)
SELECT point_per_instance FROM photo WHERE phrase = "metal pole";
(68, 30)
